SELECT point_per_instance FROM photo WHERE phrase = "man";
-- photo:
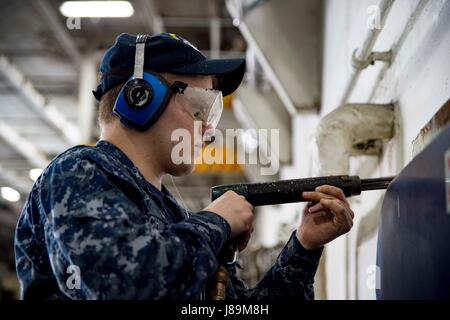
(99, 224)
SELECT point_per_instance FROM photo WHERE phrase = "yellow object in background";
(227, 101)
(221, 165)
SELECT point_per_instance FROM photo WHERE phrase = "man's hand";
(238, 213)
(325, 218)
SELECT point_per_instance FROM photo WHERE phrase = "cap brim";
(229, 72)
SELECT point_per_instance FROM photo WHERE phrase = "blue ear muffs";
(141, 101)
(145, 95)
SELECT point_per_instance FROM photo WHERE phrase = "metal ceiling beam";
(195, 22)
(59, 30)
(39, 103)
(22, 145)
(15, 181)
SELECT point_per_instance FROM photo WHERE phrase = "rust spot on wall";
(440, 120)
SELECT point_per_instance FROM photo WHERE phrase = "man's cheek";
(197, 136)
(197, 152)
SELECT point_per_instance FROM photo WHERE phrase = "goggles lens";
(205, 105)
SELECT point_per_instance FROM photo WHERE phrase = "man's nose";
(209, 129)
(208, 132)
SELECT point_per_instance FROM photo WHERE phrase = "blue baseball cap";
(166, 52)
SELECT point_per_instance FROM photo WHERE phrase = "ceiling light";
(96, 9)
(9, 194)
(35, 173)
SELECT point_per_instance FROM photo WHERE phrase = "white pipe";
(362, 56)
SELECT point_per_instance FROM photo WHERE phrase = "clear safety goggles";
(205, 105)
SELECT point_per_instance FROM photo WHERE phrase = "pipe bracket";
(359, 64)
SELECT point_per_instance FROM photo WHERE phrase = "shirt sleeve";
(89, 229)
(291, 277)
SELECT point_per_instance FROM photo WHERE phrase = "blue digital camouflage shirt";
(92, 214)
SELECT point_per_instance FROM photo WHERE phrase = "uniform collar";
(114, 151)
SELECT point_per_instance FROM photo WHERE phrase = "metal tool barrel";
(375, 184)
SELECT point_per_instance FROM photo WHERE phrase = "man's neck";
(146, 166)
(144, 160)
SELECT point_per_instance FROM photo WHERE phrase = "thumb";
(306, 207)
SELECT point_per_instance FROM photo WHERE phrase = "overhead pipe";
(363, 57)
(238, 10)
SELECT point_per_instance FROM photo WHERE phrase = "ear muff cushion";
(144, 116)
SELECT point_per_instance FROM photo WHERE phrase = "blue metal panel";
(414, 237)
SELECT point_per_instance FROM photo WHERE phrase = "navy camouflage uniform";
(92, 208)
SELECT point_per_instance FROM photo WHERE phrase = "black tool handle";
(287, 191)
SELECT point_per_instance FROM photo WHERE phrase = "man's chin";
(181, 170)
